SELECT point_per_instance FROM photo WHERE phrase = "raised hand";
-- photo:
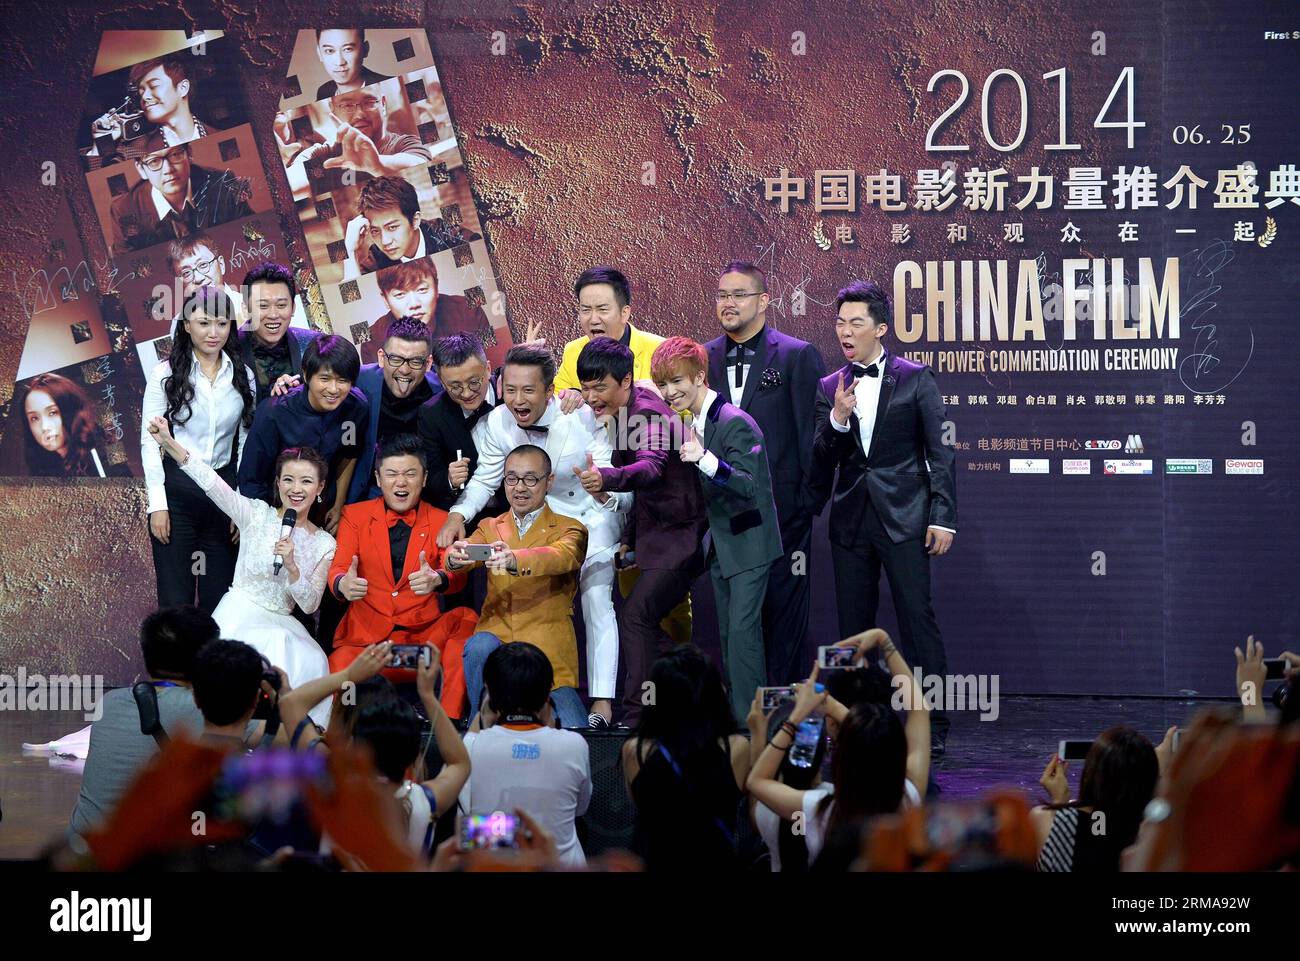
(845, 400)
(453, 529)
(370, 662)
(285, 383)
(1055, 782)
(426, 674)
(356, 236)
(352, 586)
(425, 579)
(692, 449)
(359, 151)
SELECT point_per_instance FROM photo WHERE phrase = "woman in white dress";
(258, 607)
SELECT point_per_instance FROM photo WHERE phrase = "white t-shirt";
(543, 770)
(817, 822)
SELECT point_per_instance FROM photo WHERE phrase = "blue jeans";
(569, 707)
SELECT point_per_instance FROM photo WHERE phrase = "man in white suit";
(576, 442)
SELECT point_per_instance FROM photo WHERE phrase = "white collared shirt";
(419, 250)
(568, 440)
(867, 394)
(708, 464)
(488, 398)
(215, 418)
(523, 524)
(162, 206)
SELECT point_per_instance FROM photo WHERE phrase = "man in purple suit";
(668, 517)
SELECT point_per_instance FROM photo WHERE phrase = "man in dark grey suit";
(880, 423)
(773, 378)
(727, 447)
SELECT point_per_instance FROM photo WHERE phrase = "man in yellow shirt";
(604, 309)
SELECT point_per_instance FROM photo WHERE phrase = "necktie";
(535, 429)
(866, 370)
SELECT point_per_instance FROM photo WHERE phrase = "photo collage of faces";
(382, 192)
(75, 410)
(175, 177)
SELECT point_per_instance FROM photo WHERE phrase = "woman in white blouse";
(258, 607)
(207, 396)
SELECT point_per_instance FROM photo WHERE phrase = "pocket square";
(771, 378)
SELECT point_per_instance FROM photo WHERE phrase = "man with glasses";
(604, 310)
(195, 263)
(447, 426)
(362, 141)
(773, 378)
(396, 387)
(537, 554)
(174, 198)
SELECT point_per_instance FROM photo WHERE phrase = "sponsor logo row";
(1173, 465)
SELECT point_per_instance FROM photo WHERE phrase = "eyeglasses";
(528, 480)
(173, 157)
(468, 389)
(397, 363)
(736, 297)
(202, 267)
(352, 106)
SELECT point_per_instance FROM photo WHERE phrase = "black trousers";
(787, 603)
(640, 630)
(197, 564)
(857, 595)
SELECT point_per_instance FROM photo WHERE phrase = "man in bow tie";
(773, 377)
(880, 423)
(388, 566)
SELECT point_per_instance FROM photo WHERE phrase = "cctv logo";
(1101, 445)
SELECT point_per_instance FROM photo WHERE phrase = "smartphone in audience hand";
(1073, 750)
(774, 697)
(409, 656)
(489, 832)
(831, 656)
(1275, 668)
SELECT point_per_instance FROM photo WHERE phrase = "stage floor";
(38, 793)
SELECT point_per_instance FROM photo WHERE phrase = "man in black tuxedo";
(445, 424)
(880, 422)
(174, 198)
(773, 378)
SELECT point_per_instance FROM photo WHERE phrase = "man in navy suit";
(773, 378)
(396, 387)
(880, 423)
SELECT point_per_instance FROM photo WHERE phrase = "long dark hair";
(80, 431)
(868, 765)
(690, 713)
(793, 847)
(1119, 778)
(179, 385)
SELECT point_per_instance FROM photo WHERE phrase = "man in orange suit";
(536, 556)
(389, 567)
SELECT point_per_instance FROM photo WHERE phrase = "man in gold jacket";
(536, 556)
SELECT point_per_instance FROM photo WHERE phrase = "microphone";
(287, 523)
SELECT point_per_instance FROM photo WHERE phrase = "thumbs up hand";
(590, 478)
(692, 450)
(424, 580)
(351, 586)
